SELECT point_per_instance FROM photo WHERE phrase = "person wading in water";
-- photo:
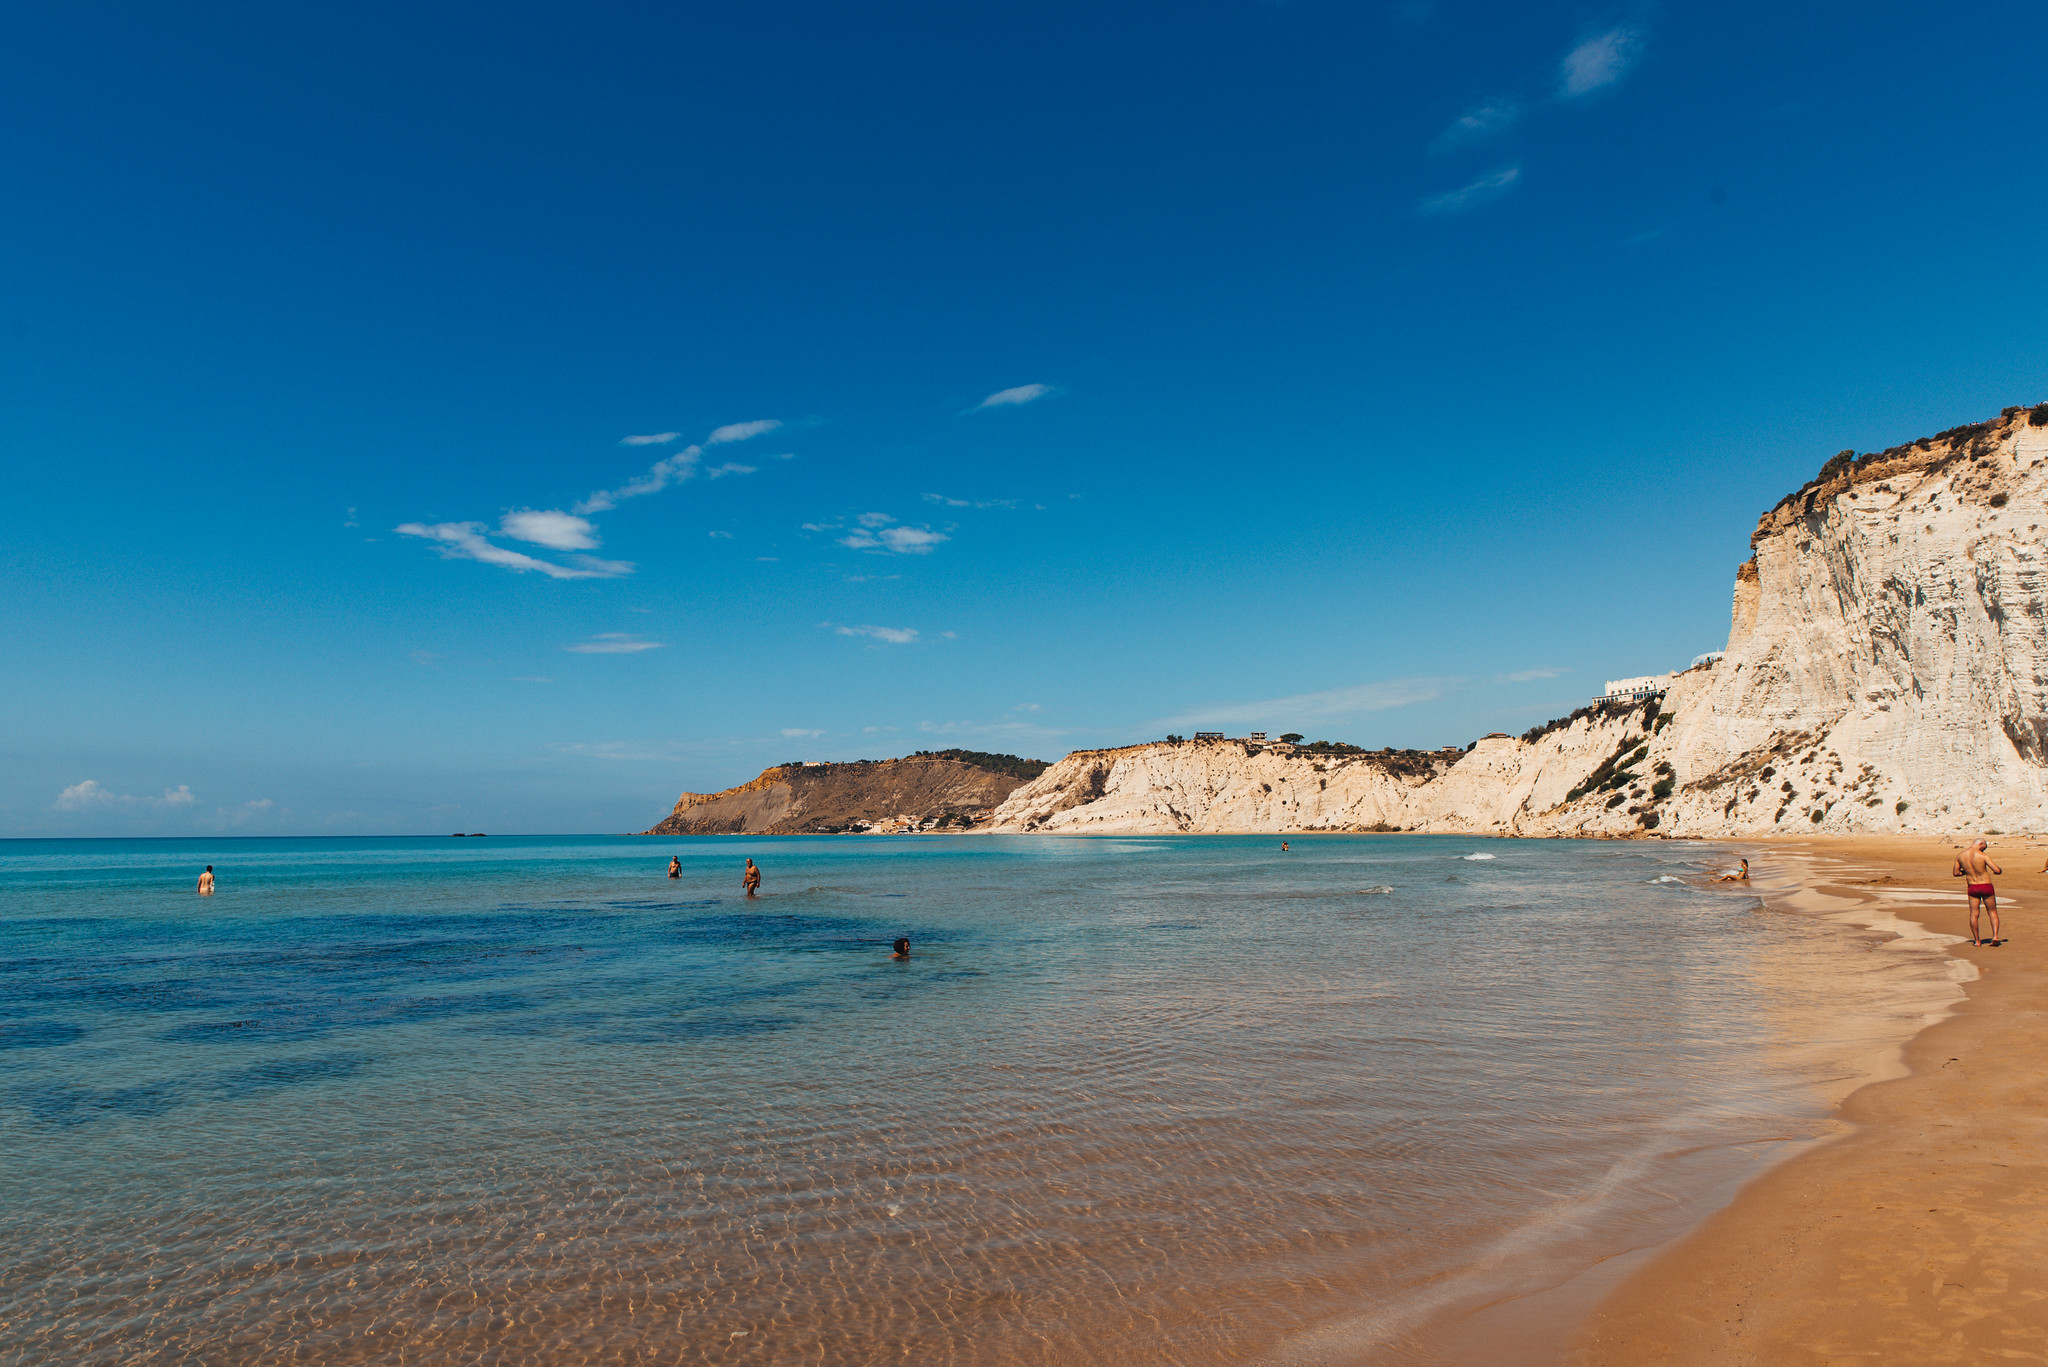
(751, 880)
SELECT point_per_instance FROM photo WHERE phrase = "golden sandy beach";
(1921, 1234)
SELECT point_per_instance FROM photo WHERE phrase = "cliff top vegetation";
(1971, 440)
(1014, 765)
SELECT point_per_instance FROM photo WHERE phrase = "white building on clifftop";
(1634, 690)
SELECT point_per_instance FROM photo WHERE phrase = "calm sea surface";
(1175, 1100)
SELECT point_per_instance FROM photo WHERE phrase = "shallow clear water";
(1169, 1100)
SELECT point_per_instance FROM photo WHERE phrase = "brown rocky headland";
(930, 790)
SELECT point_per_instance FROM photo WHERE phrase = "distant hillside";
(927, 790)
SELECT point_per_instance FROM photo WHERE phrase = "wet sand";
(1920, 1235)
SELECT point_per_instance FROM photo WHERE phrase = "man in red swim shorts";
(1976, 866)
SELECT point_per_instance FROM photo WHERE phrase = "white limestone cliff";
(1887, 670)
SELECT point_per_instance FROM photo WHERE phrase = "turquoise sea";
(1176, 1100)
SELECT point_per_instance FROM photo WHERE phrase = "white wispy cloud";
(614, 643)
(660, 475)
(88, 795)
(1310, 708)
(685, 464)
(1478, 123)
(895, 636)
(721, 536)
(1484, 190)
(1531, 675)
(978, 502)
(244, 814)
(465, 541)
(877, 532)
(741, 431)
(1021, 394)
(795, 731)
(1600, 60)
(549, 527)
(653, 439)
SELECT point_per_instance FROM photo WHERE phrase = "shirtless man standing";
(751, 881)
(206, 882)
(1976, 866)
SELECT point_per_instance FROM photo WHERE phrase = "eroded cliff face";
(1887, 669)
(1502, 785)
(1889, 645)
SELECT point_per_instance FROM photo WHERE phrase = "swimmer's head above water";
(902, 947)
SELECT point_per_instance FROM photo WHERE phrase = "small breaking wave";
(1475, 856)
(1380, 891)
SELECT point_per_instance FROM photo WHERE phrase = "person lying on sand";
(1976, 866)
(751, 880)
(1740, 875)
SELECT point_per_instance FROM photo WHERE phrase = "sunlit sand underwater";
(1130, 1100)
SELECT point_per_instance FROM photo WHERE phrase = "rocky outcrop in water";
(1887, 669)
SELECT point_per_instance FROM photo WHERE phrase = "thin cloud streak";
(1483, 191)
(1308, 708)
(948, 501)
(895, 636)
(465, 541)
(1600, 60)
(741, 431)
(614, 643)
(655, 439)
(1478, 123)
(1010, 398)
(1531, 675)
(684, 465)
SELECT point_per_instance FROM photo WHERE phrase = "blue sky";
(422, 418)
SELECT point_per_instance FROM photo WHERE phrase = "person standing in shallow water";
(751, 880)
(675, 867)
(1976, 866)
(206, 882)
